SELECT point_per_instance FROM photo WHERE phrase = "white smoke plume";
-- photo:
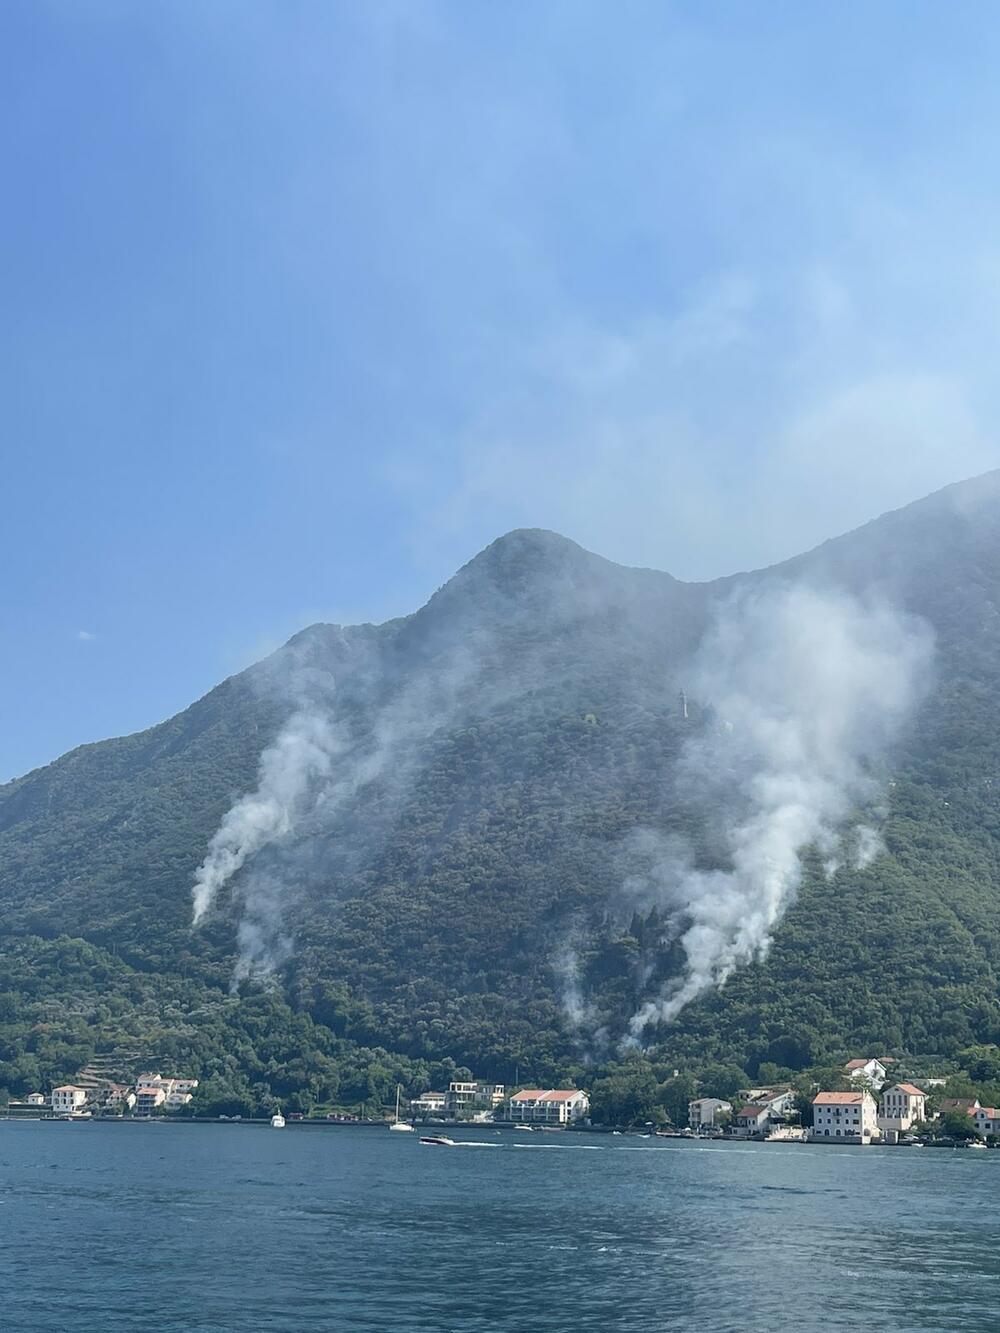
(290, 771)
(808, 689)
(313, 767)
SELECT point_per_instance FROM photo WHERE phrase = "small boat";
(438, 1141)
(527, 1127)
(277, 1121)
(397, 1124)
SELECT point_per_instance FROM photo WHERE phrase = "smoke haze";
(808, 691)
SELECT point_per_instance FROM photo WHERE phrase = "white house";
(554, 1106)
(148, 1098)
(750, 1120)
(702, 1112)
(428, 1103)
(869, 1069)
(903, 1105)
(472, 1097)
(35, 1099)
(850, 1117)
(987, 1120)
(779, 1101)
(68, 1100)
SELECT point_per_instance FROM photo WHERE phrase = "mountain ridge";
(498, 751)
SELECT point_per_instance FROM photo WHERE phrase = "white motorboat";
(400, 1125)
(438, 1141)
(277, 1121)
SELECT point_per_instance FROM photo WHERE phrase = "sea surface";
(217, 1228)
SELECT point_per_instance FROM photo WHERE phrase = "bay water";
(217, 1228)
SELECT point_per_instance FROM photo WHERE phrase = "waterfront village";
(872, 1109)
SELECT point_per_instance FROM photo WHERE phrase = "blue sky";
(304, 302)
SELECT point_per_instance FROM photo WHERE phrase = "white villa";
(35, 1099)
(429, 1103)
(702, 1112)
(871, 1070)
(68, 1100)
(553, 1106)
(987, 1120)
(850, 1117)
(903, 1105)
(473, 1096)
(750, 1120)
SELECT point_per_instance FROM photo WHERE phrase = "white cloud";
(85, 635)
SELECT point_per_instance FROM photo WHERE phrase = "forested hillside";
(455, 892)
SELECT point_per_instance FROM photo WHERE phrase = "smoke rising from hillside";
(318, 762)
(809, 690)
(290, 770)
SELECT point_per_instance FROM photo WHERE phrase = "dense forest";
(459, 885)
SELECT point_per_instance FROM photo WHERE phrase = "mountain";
(461, 800)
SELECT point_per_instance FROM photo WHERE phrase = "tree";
(958, 1125)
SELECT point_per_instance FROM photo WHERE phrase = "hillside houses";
(89, 1095)
(762, 1108)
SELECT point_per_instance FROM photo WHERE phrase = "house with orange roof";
(548, 1106)
(68, 1100)
(903, 1105)
(867, 1069)
(844, 1117)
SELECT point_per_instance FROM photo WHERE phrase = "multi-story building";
(429, 1103)
(68, 1100)
(473, 1096)
(903, 1105)
(702, 1112)
(35, 1099)
(850, 1117)
(551, 1106)
(148, 1098)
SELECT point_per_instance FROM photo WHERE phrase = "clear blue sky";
(305, 301)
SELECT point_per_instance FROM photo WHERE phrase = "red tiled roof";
(908, 1088)
(859, 1064)
(752, 1111)
(837, 1098)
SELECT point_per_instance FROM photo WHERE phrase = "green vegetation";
(429, 916)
